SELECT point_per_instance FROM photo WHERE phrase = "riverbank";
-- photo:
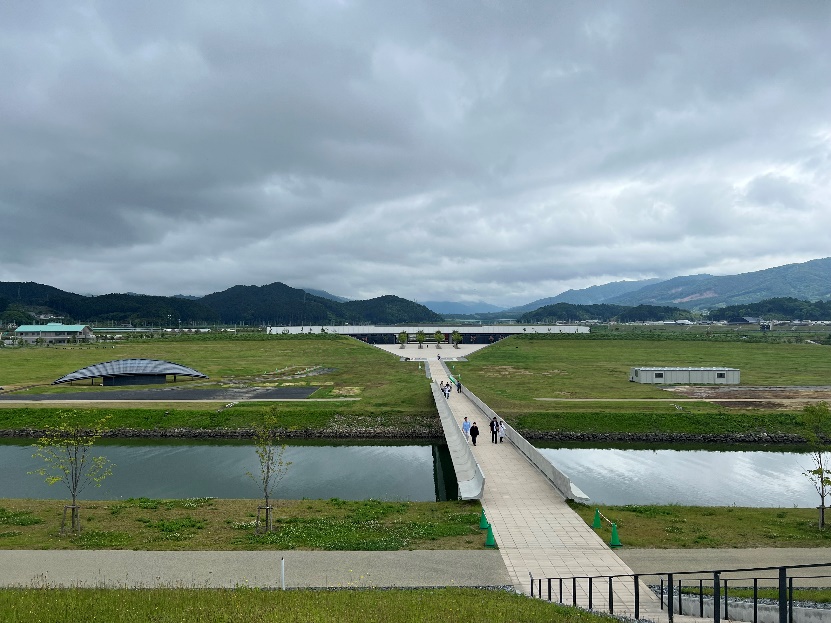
(422, 432)
(208, 524)
(202, 524)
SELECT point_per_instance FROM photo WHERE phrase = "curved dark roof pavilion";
(131, 372)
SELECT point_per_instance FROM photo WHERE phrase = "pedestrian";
(494, 426)
(439, 357)
(466, 429)
(501, 431)
(474, 433)
(458, 387)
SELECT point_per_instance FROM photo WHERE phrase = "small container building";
(685, 376)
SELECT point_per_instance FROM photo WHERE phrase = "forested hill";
(776, 309)
(107, 308)
(275, 304)
(389, 309)
(568, 312)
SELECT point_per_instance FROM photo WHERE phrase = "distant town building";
(54, 333)
(685, 376)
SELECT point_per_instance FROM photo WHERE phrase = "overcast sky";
(497, 151)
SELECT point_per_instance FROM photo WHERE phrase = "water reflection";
(688, 477)
(180, 470)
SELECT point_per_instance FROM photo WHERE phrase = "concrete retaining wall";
(468, 473)
(743, 611)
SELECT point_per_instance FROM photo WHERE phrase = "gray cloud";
(469, 150)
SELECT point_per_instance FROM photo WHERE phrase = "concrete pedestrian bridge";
(525, 500)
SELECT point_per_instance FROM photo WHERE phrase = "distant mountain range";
(808, 281)
(275, 304)
(450, 307)
(588, 296)
(332, 297)
(279, 304)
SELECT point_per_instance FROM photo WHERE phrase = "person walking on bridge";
(466, 429)
(494, 429)
(474, 433)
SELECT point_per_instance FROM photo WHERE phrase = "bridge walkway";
(536, 531)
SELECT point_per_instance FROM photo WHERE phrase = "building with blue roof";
(54, 333)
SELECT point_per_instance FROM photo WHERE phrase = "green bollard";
(596, 523)
(615, 542)
(483, 522)
(490, 541)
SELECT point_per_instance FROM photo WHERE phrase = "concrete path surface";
(447, 352)
(132, 569)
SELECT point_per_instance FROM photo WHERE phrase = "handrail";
(784, 576)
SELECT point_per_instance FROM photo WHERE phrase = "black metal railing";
(671, 589)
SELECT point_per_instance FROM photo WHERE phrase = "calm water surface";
(181, 470)
(688, 477)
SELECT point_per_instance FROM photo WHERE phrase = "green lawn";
(212, 524)
(519, 376)
(217, 524)
(388, 392)
(694, 527)
(511, 376)
(448, 605)
(514, 372)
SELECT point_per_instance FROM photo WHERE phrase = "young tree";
(817, 418)
(439, 338)
(66, 449)
(457, 338)
(402, 338)
(272, 465)
(420, 337)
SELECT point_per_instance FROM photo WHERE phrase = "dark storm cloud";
(490, 150)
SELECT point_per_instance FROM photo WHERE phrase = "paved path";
(131, 569)
(537, 533)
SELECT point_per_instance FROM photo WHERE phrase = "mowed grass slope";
(174, 605)
(385, 391)
(514, 374)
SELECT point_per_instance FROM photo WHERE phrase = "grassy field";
(523, 379)
(513, 373)
(694, 527)
(450, 605)
(381, 390)
(212, 524)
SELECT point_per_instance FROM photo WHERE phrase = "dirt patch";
(503, 371)
(755, 397)
(346, 391)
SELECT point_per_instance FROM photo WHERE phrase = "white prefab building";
(685, 376)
